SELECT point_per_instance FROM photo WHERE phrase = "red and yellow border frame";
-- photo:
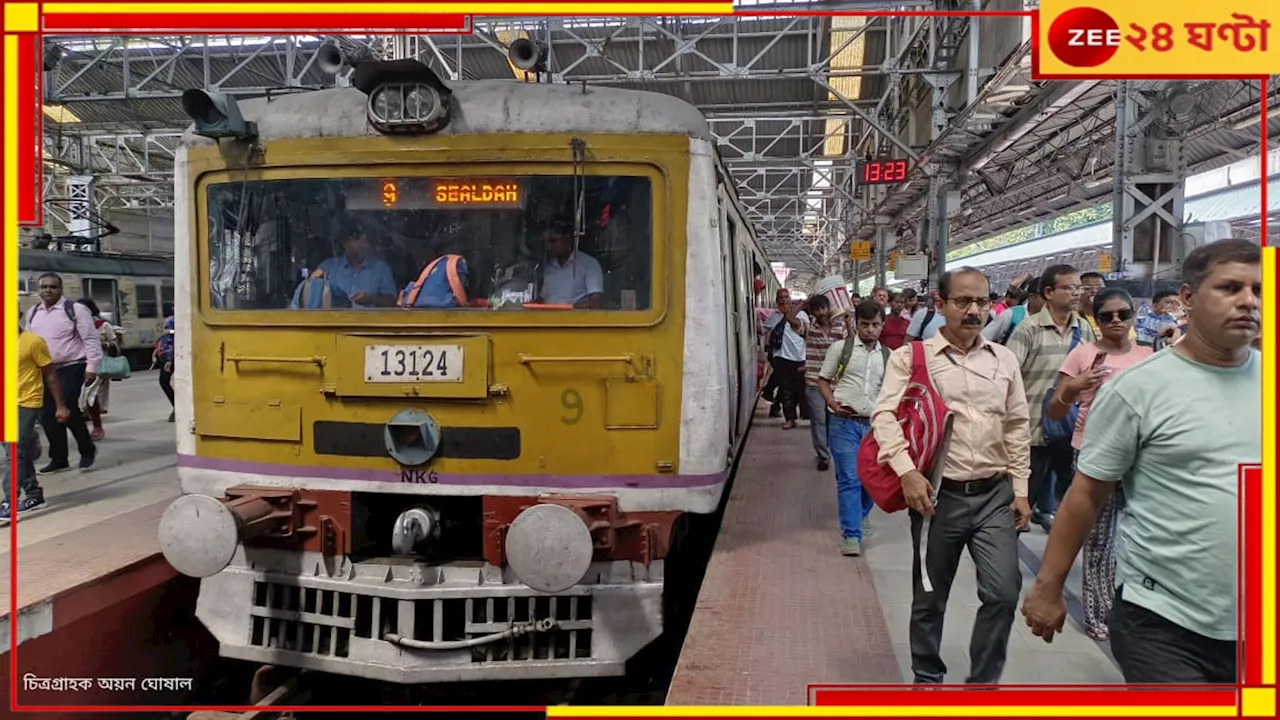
(25, 23)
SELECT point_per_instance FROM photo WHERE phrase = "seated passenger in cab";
(367, 281)
(570, 276)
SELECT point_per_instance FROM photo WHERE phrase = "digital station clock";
(881, 172)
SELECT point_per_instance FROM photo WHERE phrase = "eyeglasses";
(1115, 315)
(963, 303)
(1070, 288)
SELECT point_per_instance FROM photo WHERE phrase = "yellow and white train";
(485, 485)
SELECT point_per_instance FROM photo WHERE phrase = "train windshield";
(530, 242)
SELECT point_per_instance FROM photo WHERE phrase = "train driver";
(366, 280)
(570, 277)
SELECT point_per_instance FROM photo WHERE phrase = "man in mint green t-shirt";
(1173, 431)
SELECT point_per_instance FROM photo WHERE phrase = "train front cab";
(562, 449)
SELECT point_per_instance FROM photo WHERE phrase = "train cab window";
(531, 243)
(147, 299)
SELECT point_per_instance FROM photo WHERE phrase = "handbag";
(114, 368)
(922, 414)
(1059, 431)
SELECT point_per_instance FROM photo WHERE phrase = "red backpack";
(922, 416)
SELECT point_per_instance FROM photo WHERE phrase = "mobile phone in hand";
(1098, 361)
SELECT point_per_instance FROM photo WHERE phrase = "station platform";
(781, 608)
(95, 597)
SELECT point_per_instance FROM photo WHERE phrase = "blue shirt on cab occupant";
(367, 281)
(570, 276)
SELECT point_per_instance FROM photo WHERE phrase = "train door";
(732, 312)
(748, 336)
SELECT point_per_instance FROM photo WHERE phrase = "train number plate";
(412, 363)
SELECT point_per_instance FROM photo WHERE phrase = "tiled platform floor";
(781, 608)
(99, 522)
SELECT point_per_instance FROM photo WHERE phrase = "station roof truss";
(792, 103)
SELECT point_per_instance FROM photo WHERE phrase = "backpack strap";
(846, 352)
(1075, 335)
(928, 318)
(919, 366)
(455, 280)
(410, 295)
(1014, 321)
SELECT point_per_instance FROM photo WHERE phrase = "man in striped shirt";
(1041, 343)
(823, 330)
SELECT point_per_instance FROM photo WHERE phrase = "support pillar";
(1148, 240)
(882, 250)
(80, 212)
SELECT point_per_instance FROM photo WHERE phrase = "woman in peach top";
(1084, 371)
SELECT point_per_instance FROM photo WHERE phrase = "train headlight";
(199, 535)
(549, 547)
(386, 106)
(421, 101)
(407, 108)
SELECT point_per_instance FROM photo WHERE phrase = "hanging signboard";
(1104, 263)
(893, 262)
(860, 251)
(912, 267)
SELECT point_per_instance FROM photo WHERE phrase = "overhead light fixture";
(1098, 182)
(1248, 122)
(59, 114)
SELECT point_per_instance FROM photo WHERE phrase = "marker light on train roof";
(216, 115)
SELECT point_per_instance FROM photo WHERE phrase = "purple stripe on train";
(322, 472)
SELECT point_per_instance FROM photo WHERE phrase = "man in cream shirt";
(983, 497)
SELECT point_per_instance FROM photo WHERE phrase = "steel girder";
(770, 134)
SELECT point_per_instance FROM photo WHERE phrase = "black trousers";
(71, 378)
(166, 384)
(790, 392)
(980, 519)
(1154, 651)
(1052, 467)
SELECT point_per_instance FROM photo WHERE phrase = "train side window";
(103, 293)
(148, 301)
(166, 299)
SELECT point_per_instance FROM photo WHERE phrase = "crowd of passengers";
(63, 345)
(1116, 433)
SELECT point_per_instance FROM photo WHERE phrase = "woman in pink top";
(1084, 371)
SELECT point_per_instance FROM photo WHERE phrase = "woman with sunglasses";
(1084, 371)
